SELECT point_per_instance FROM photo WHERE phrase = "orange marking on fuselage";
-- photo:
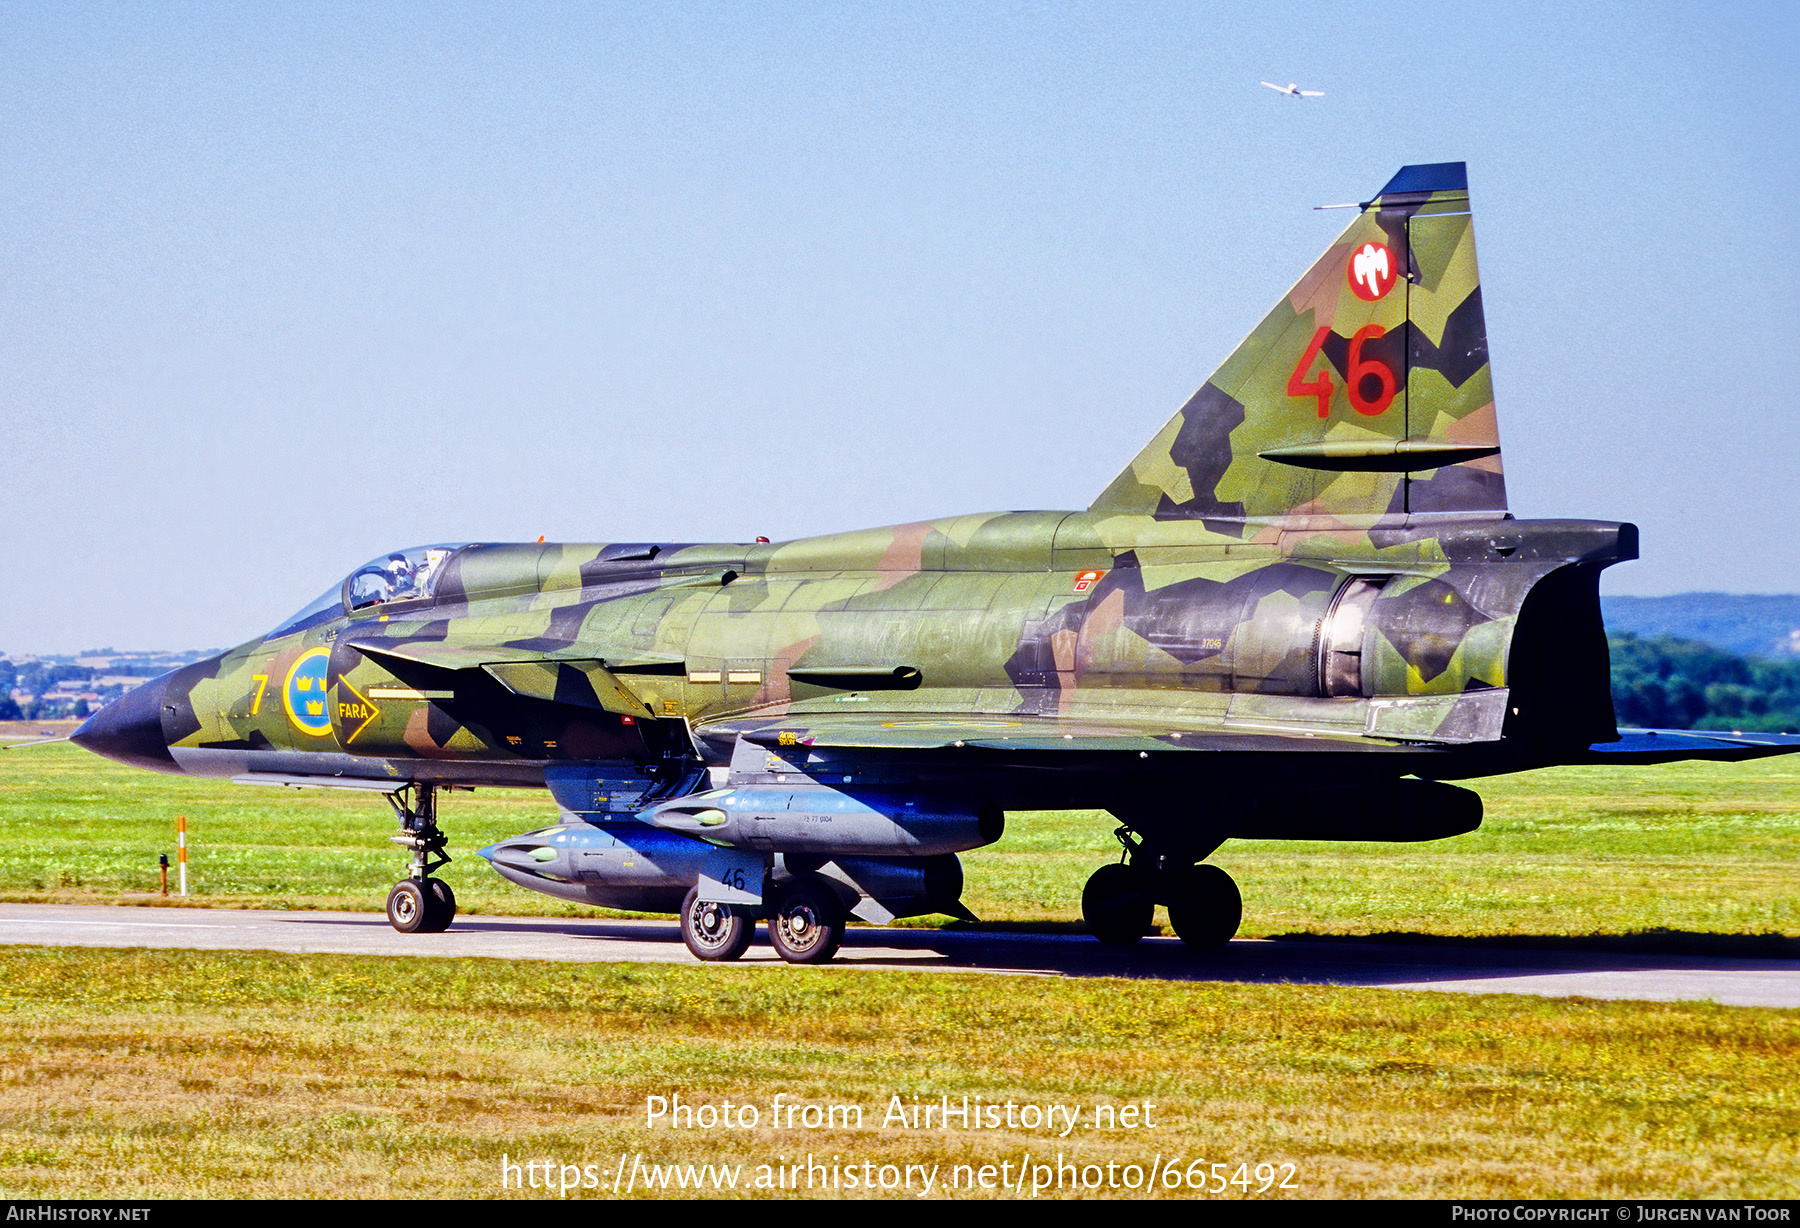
(1478, 428)
(1102, 620)
(904, 558)
(418, 739)
(776, 688)
(1325, 524)
(1062, 654)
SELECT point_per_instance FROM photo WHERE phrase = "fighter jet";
(1294, 91)
(1299, 613)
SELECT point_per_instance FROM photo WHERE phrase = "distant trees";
(35, 679)
(40, 676)
(1680, 684)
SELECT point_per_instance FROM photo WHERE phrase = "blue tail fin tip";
(1429, 177)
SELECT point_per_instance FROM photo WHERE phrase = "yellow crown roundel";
(304, 693)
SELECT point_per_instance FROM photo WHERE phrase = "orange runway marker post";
(181, 849)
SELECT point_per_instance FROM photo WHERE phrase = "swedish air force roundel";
(304, 693)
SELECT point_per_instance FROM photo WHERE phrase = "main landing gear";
(1120, 900)
(419, 903)
(713, 931)
(806, 923)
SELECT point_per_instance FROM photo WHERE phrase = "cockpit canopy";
(404, 575)
(400, 575)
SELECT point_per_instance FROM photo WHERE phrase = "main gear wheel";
(713, 931)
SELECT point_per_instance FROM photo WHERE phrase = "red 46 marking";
(1321, 385)
(1369, 381)
(1361, 372)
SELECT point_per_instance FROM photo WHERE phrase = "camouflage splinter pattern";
(1406, 424)
(1305, 590)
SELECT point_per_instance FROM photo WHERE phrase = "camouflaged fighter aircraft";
(1299, 612)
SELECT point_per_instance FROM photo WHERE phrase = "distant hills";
(1755, 625)
(53, 686)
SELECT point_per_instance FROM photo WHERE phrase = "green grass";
(169, 1073)
(187, 1073)
(1699, 847)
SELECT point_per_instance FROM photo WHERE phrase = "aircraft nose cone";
(130, 729)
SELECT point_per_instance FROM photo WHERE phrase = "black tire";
(715, 932)
(408, 907)
(807, 923)
(1205, 906)
(1116, 905)
(440, 906)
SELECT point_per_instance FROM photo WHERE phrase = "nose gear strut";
(419, 903)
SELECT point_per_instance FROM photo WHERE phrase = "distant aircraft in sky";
(1294, 91)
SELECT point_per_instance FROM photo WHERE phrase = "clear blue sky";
(288, 287)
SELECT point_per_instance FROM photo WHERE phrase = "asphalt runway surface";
(1562, 969)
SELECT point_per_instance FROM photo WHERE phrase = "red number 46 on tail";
(1361, 372)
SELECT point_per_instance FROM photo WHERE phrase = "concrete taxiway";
(1561, 970)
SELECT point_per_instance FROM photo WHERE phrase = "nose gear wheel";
(419, 903)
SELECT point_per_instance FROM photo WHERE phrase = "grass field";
(128, 1074)
(1702, 848)
(168, 1073)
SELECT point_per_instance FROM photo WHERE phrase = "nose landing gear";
(419, 903)
(1120, 900)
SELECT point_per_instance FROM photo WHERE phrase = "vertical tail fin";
(1366, 391)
